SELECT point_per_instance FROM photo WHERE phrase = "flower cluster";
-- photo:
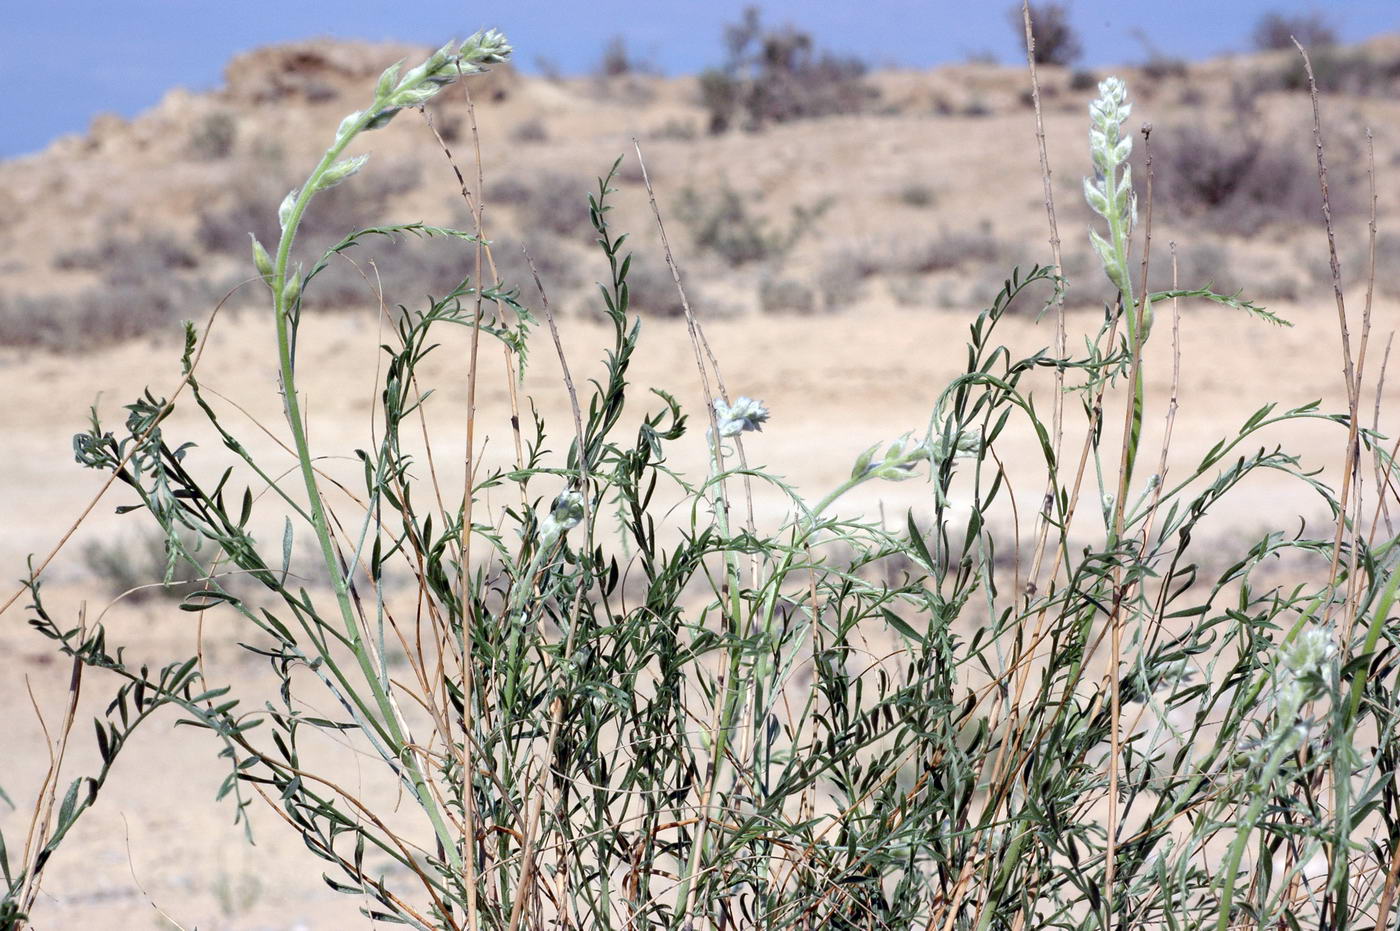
(1110, 195)
(743, 415)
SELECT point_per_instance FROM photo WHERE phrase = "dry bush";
(720, 222)
(785, 295)
(149, 253)
(546, 202)
(1204, 262)
(1339, 71)
(145, 284)
(945, 251)
(619, 61)
(775, 75)
(1056, 41)
(251, 206)
(1082, 79)
(530, 131)
(214, 136)
(112, 312)
(917, 194)
(652, 291)
(1275, 31)
(1235, 181)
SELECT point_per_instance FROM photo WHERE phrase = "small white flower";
(743, 415)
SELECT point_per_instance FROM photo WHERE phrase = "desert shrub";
(146, 255)
(145, 283)
(618, 61)
(1082, 79)
(652, 291)
(840, 279)
(142, 568)
(530, 132)
(1275, 31)
(1356, 265)
(916, 255)
(677, 129)
(556, 260)
(1234, 180)
(544, 202)
(1339, 71)
(214, 136)
(720, 221)
(250, 206)
(785, 295)
(123, 306)
(917, 194)
(774, 75)
(1056, 41)
(976, 106)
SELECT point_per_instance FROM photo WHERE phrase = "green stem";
(387, 723)
(726, 713)
(1256, 808)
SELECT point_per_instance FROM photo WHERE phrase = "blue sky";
(63, 61)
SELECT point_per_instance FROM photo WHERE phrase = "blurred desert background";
(837, 234)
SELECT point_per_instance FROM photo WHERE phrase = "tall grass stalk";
(628, 708)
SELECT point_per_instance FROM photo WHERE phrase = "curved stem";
(386, 723)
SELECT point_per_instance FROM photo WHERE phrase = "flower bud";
(340, 171)
(564, 514)
(291, 290)
(261, 260)
(284, 211)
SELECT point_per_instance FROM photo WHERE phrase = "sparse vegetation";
(775, 75)
(917, 194)
(785, 296)
(1276, 31)
(1056, 41)
(721, 222)
(1235, 180)
(214, 136)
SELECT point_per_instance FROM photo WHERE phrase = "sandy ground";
(834, 384)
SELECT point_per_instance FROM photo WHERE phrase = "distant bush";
(124, 306)
(945, 251)
(1338, 71)
(652, 290)
(1275, 31)
(530, 131)
(136, 568)
(720, 222)
(146, 254)
(618, 61)
(1233, 181)
(785, 295)
(917, 194)
(213, 136)
(1083, 80)
(775, 75)
(547, 201)
(251, 206)
(1056, 41)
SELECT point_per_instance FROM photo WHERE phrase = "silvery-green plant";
(1109, 193)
